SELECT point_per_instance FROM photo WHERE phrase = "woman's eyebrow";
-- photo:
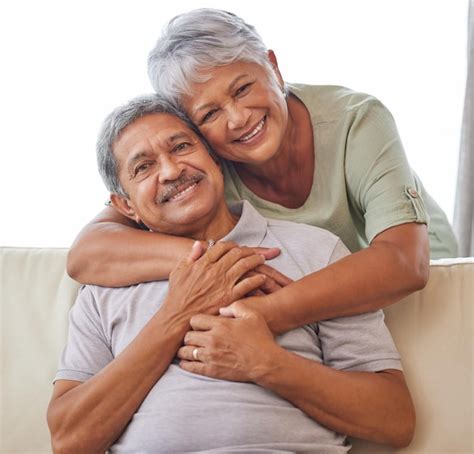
(236, 81)
(229, 90)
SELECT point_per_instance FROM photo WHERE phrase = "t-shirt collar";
(251, 227)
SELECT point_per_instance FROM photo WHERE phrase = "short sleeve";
(359, 343)
(380, 181)
(87, 350)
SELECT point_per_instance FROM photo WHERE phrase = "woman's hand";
(207, 280)
(238, 348)
(274, 280)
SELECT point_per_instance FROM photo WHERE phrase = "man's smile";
(180, 189)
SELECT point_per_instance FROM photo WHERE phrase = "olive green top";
(362, 182)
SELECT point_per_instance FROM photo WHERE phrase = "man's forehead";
(162, 128)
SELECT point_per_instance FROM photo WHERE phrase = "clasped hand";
(206, 281)
(237, 348)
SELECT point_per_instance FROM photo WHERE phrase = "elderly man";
(235, 387)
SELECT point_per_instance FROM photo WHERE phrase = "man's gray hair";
(201, 39)
(117, 121)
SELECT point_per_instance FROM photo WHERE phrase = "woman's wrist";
(270, 308)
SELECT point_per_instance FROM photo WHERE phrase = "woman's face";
(241, 111)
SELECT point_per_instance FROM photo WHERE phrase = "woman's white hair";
(200, 39)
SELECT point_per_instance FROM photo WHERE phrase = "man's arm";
(89, 416)
(369, 405)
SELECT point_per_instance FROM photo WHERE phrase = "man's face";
(174, 185)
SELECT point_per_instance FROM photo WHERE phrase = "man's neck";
(218, 227)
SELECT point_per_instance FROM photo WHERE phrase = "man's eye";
(181, 147)
(142, 168)
(209, 115)
(242, 89)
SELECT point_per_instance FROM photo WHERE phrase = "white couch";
(432, 329)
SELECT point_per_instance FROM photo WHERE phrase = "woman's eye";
(209, 115)
(242, 89)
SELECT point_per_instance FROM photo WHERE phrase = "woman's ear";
(274, 62)
(123, 205)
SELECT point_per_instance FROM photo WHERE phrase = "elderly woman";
(321, 155)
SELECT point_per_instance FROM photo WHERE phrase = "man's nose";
(170, 169)
(237, 116)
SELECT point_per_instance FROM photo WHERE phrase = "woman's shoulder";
(329, 102)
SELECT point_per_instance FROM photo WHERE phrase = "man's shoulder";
(305, 242)
(97, 299)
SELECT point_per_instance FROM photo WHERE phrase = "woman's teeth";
(258, 128)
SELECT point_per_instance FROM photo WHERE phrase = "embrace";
(183, 339)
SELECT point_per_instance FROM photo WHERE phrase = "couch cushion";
(433, 332)
(36, 295)
(432, 329)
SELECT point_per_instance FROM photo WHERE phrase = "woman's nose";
(237, 116)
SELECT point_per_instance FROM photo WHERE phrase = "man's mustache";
(175, 187)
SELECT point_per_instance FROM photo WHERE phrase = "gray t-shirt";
(185, 412)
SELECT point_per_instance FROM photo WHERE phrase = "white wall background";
(66, 64)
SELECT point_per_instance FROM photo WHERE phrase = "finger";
(219, 249)
(257, 292)
(236, 255)
(196, 338)
(196, 251)
(268, 253)
(239, 310)
(203, 322)
(226, 311)
(190, 353)
(247, 285)
(272, 273)
(268, 286)
(195, 367)
(244, 265)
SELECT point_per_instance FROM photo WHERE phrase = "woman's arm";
(113, 251)
(393, 266)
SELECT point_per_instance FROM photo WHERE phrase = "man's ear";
(274, 62)
(123, 205)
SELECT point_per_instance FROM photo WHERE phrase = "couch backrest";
(432, 329)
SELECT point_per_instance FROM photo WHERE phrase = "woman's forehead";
(218, 80)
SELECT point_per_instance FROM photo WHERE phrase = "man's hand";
(207, 280)
(237, 348)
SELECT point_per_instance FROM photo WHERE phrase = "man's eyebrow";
(230, 89)
(177, 136)
(143, 154)
(136, 157)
